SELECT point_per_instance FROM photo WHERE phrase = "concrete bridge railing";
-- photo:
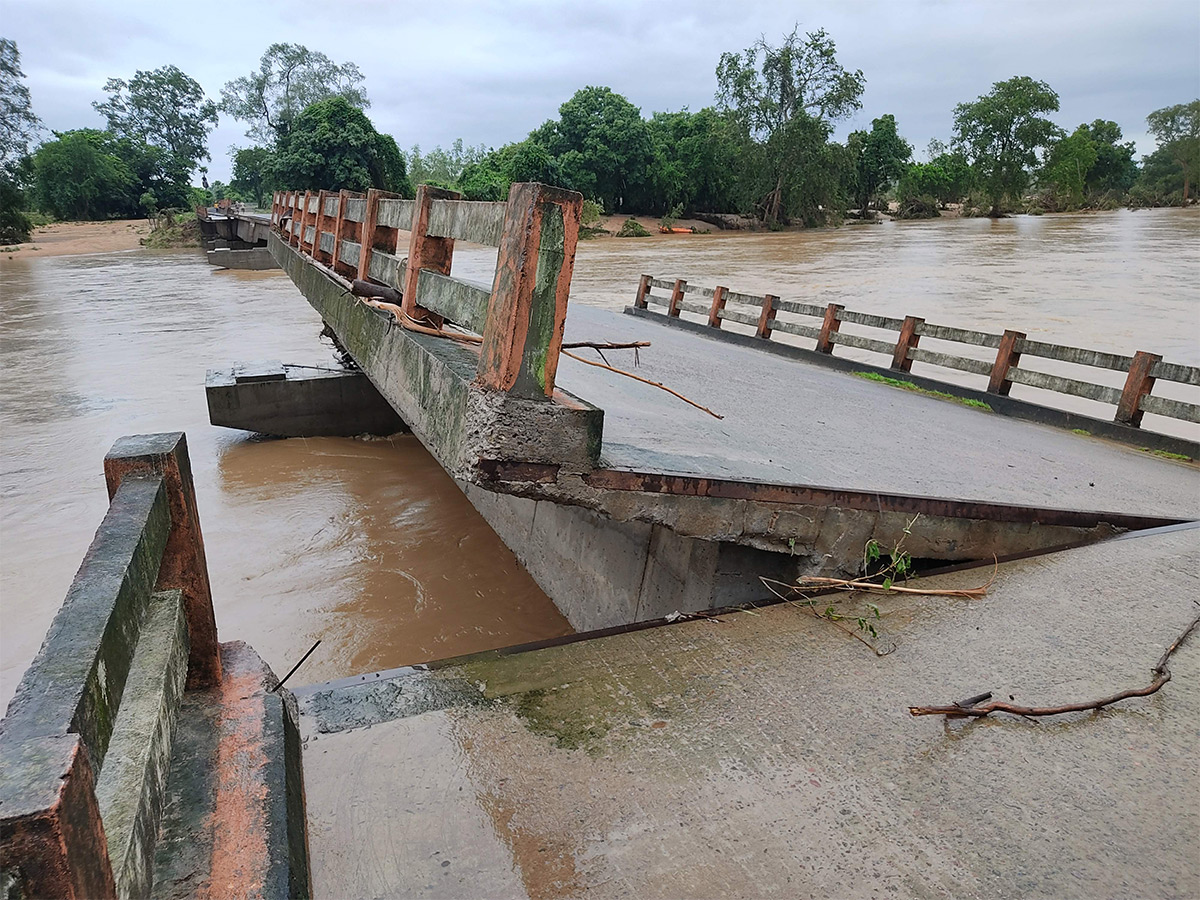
(521, 317)
(86, 746)
(765, 315)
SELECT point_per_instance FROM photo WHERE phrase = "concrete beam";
(300, 403)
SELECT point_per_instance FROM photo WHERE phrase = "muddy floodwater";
(368, 545)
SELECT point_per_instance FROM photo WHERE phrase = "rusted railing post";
(309, 222)
(349, 231)
(1007, 356)
(718, 304)
(183, 566)
(522, 336)
(676, 297)
(335, 256)
(1138, 383)
(298, 222)
(426, 251)
(765, 316)
(909, 338)
(317, 253)
(375, 236)
(829, 327)
(643, 289)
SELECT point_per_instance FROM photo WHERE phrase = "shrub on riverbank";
(174, 233)
(631, 228)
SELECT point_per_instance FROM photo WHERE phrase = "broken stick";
(1161, 674)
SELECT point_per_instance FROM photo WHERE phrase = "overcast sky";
(491, 72)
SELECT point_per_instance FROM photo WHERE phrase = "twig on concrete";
(656, 384)
(604, 345)
(292, 671)
(818, 582)
(808, 603)
(1161, 675)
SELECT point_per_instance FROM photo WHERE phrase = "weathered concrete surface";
(256, 258)
(132, 785)
(794, 423)
(75, 683)
(233, 824)
(772, 754)
(52, 840)
(290, 401)
(428, 381)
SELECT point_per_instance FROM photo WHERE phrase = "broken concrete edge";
(52, 841)
(253, 258)
(359, 701)
(76, 682)
(299, 402)
(258, 819)
(1000, 404)
(184, 564)
(430, 382)
(792, 519)
(131, 787)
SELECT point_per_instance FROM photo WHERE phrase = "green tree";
(78, 175)
(881, 158)
(1067, 165)
(18, 126)
(164, 108)
(783, 97)
(602, 146)
(1114, 169)
(289, 79)
(1001, 132)
(698, 160)
(443, 167)
(250, 168)
(332, 145)
(1177, 130)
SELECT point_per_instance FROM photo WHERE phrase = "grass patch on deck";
(909, 386)
(1166, 454)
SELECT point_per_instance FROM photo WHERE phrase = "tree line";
(763, 149)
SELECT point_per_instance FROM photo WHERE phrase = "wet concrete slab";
(771, 753)
(786, 421)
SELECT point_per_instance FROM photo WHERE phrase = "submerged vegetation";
(762, 152)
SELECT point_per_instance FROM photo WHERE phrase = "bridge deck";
(791, 422)
(772, 754)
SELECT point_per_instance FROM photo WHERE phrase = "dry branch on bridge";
(966, 710)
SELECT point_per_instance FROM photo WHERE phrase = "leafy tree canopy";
(332, 145)
(18, 124)
(79, 175)
(602, 145)
(1001, 132)
(766, 87)
(289, 79)
(250, 173)
(881, 156)
(164, 108)
(1177, 130)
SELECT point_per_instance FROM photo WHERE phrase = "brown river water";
(367, 544)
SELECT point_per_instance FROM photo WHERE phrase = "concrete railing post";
(522, 336)
(643, 289)
(1138, 383)
(297, 220)
(765, 317)
(52, 841)
(317, 253)
(676, 298)
(183, 566)
(426, 251)
(375, 236)
(338, 222)
(829, 327)
(718, 304)
(1007, 356)
(909, 338)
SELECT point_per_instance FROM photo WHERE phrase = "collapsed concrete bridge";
(625, 504)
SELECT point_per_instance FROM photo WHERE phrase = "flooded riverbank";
(368, 545)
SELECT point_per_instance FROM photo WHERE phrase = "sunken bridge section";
(625, 503)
